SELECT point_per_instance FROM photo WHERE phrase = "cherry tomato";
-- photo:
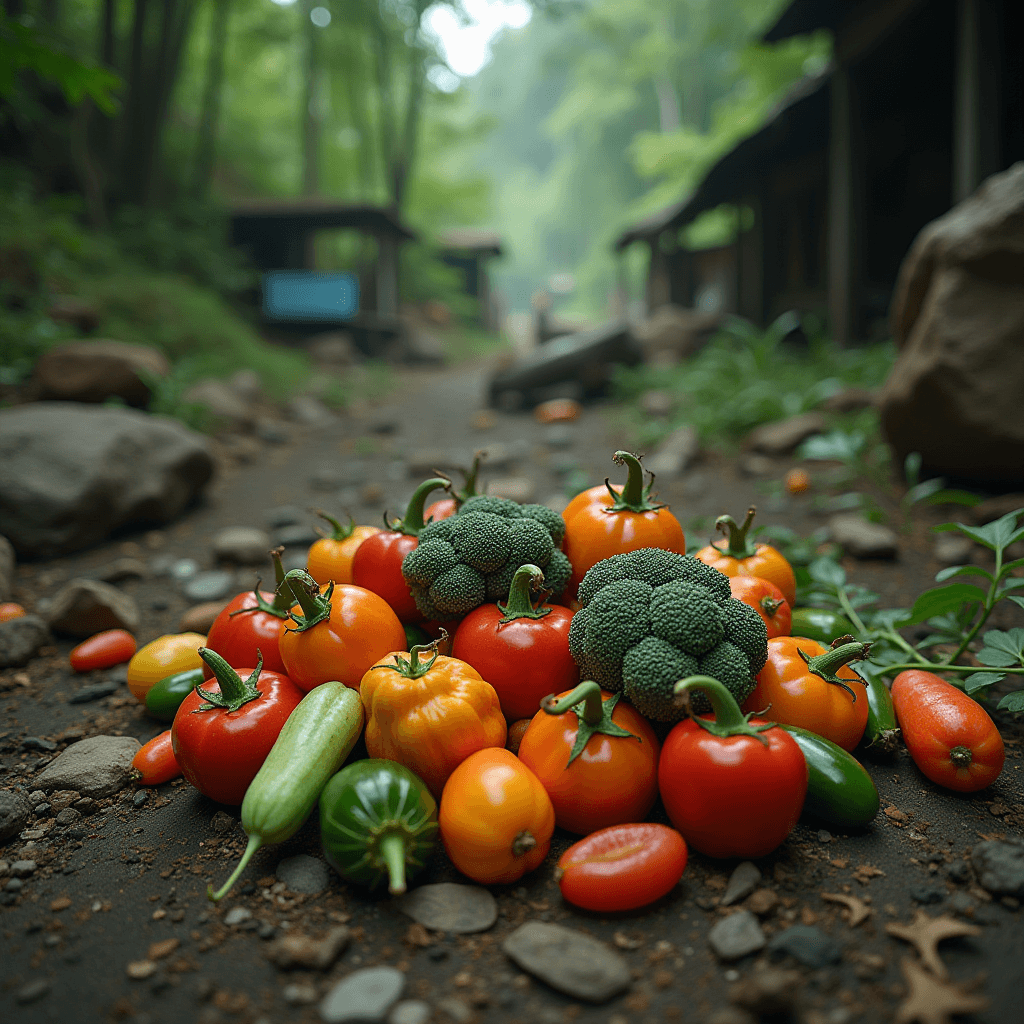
(496, 819)
(9, 610)
(612, 778)
(601, 522)
(522, 651)
(822, 694)
(111, 647)
(220, 750)
(949, 735)
(165, 656)
(330, 558)
(155, 761)
(741, 557)
(797, 481)
(443, 509)
(766, 599)
(622, 868)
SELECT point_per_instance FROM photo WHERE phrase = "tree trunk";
(131, 120)
(209, 119)
(100, 132)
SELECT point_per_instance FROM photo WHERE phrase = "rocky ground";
(103, 909)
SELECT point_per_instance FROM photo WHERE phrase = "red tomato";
(155, 761)
(245, 628)
(111, 647)
(221, 750)
(443, 509)
(736, 795)
(767, 600)
(949, 735)
(522, 651)
(9, 610)
(622, 867)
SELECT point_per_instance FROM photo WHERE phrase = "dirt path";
(135, 873)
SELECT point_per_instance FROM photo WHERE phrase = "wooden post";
(387, 275)
(843, 208)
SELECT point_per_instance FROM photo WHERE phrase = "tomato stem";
(738, 545)
(469, 477)
(843, 650)
(413, 668)
(519, 604)
(283, 598)
(234, 692)
(596, 716)
(315, 606)
(392, 852)
(524, 842)
(729, 719)
(255, 842)
(412, 522)
(338, 532)
(961, 757)
(633, 497)
(770, 605)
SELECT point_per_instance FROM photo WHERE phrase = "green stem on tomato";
(729, 719)
(843, 650)
(338, 532)
(596, 716)
(633, 497)
(738, 545)
(315, 606)
(519, 604)
(412, 522)
(234, 691)
(413, 668)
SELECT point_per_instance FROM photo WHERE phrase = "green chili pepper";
(882, 731)
(165, 697)
(819, 624)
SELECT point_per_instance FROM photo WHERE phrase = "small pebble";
(409, 1011)
(183, 569)
(209, 586)
(735, 936)
(236, 915)
(807, 945)
(304, 874)
(299, 995)
(139, 970)
(140, 798)
(14, 885)
(38, 743)
(742, 883)
(23, 868)
(33, 991)
(367, 994)
(824, 836)
(41, 810)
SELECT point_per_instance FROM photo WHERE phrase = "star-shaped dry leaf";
(858, 910)
(931, 1001)
(925, 933)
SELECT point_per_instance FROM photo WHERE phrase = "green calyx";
(280, 607)
(338, 532)
(412, 667)
(843, 650)
(520, 605)
(738, 545)
(412, 522)
(770, 605)
(595, 715)
(634, 497)
(316, 607)
(469, 477)
(729, 720)
(234, 691)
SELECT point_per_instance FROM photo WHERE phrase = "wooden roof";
(302, 215)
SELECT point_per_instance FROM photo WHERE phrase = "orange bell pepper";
(429, 715)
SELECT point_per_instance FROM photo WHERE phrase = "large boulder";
(70, 474)
(675, 331)
(954, 394)
(93, 371)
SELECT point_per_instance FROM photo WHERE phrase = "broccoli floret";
(457, 591)
(427, 561)
(440, 529)
(427, 607)
(597, 576)
(731, 667)
(481, 540)
(607, 673)
(548, 518)
(557, 572)
(687, 616)
(746, 629)
(531, 543)
(619, 618)
(649, 672)
(503, 507)
(498, 583)
(655, 566)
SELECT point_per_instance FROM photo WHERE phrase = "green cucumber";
(839, 790)
(820, 624)
(319, 734)
(882, 731)
(165, 697)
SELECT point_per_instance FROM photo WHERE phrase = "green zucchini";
(377, 820)
(882, 731)
(821, 624)
(165, 697)
(839, 790)
(319, 734)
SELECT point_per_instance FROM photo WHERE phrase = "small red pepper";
(155, 761)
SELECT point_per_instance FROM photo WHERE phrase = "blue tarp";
(310, 295)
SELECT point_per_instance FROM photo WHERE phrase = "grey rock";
(657, 402)
(23, 868)
(14, 885)
(926, 893)
(283, 515)
(20, 638)
(782, 436)
(958, 872)
(93, 371)
(73, 473)
(41, 810)
(1000, 867)
(303, 873)
(742, 882)
(862, 539)
(140, 799)
(33, 991)
(569, 961)
(183, 569)
(247, 385)
(84, 607)
(460, 1012)
(96, 691)
(86, 805)
(96, 767)
(243, 545)
(673, 332)
(961, 903)
(448, 907)
(221, 402)
(6, 569)
(299, 995)
(953, 549)
(736, 936)
(236, 916)
(309, 411)
(363, 997)
(807, 945)
(38, 743)
(297, 535)
(674, 453)
(122, 569)
(410, 1011)
(272, 431)
(515, 488)
(559, 435)
(755, 465)
(326, 478)
(209, 586)
(295, 950)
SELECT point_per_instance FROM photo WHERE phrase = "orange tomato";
(9, 610)
(557, 410)
(822, 694)
(496, 818)
(602, 522)
(741, 557)
(165, 656)
(330, 558)
(613, 779)
(797, 481)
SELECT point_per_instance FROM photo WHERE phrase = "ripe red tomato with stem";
(767, 600)
(111, 647)
(949, 734)
(223, 732)
(521, 649)
(155, 761)
(377, 564)
(250, 625)
(733, 785)
(622, 867)
(447, 507)
(596, 757)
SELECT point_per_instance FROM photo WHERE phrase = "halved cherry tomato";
(811, 686)
(602, 522)
(162, 657)
(330, 557)
(155, 761)
(741, 557)
(9, 610)
(111, 647)
(622, 867)
(766, 599)
(949, 735)
(496, 819)
(599, 765)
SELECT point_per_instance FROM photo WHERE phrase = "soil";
(135, 872)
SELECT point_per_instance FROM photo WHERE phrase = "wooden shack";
(469, 250)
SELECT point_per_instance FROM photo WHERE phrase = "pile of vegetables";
(523, 714)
